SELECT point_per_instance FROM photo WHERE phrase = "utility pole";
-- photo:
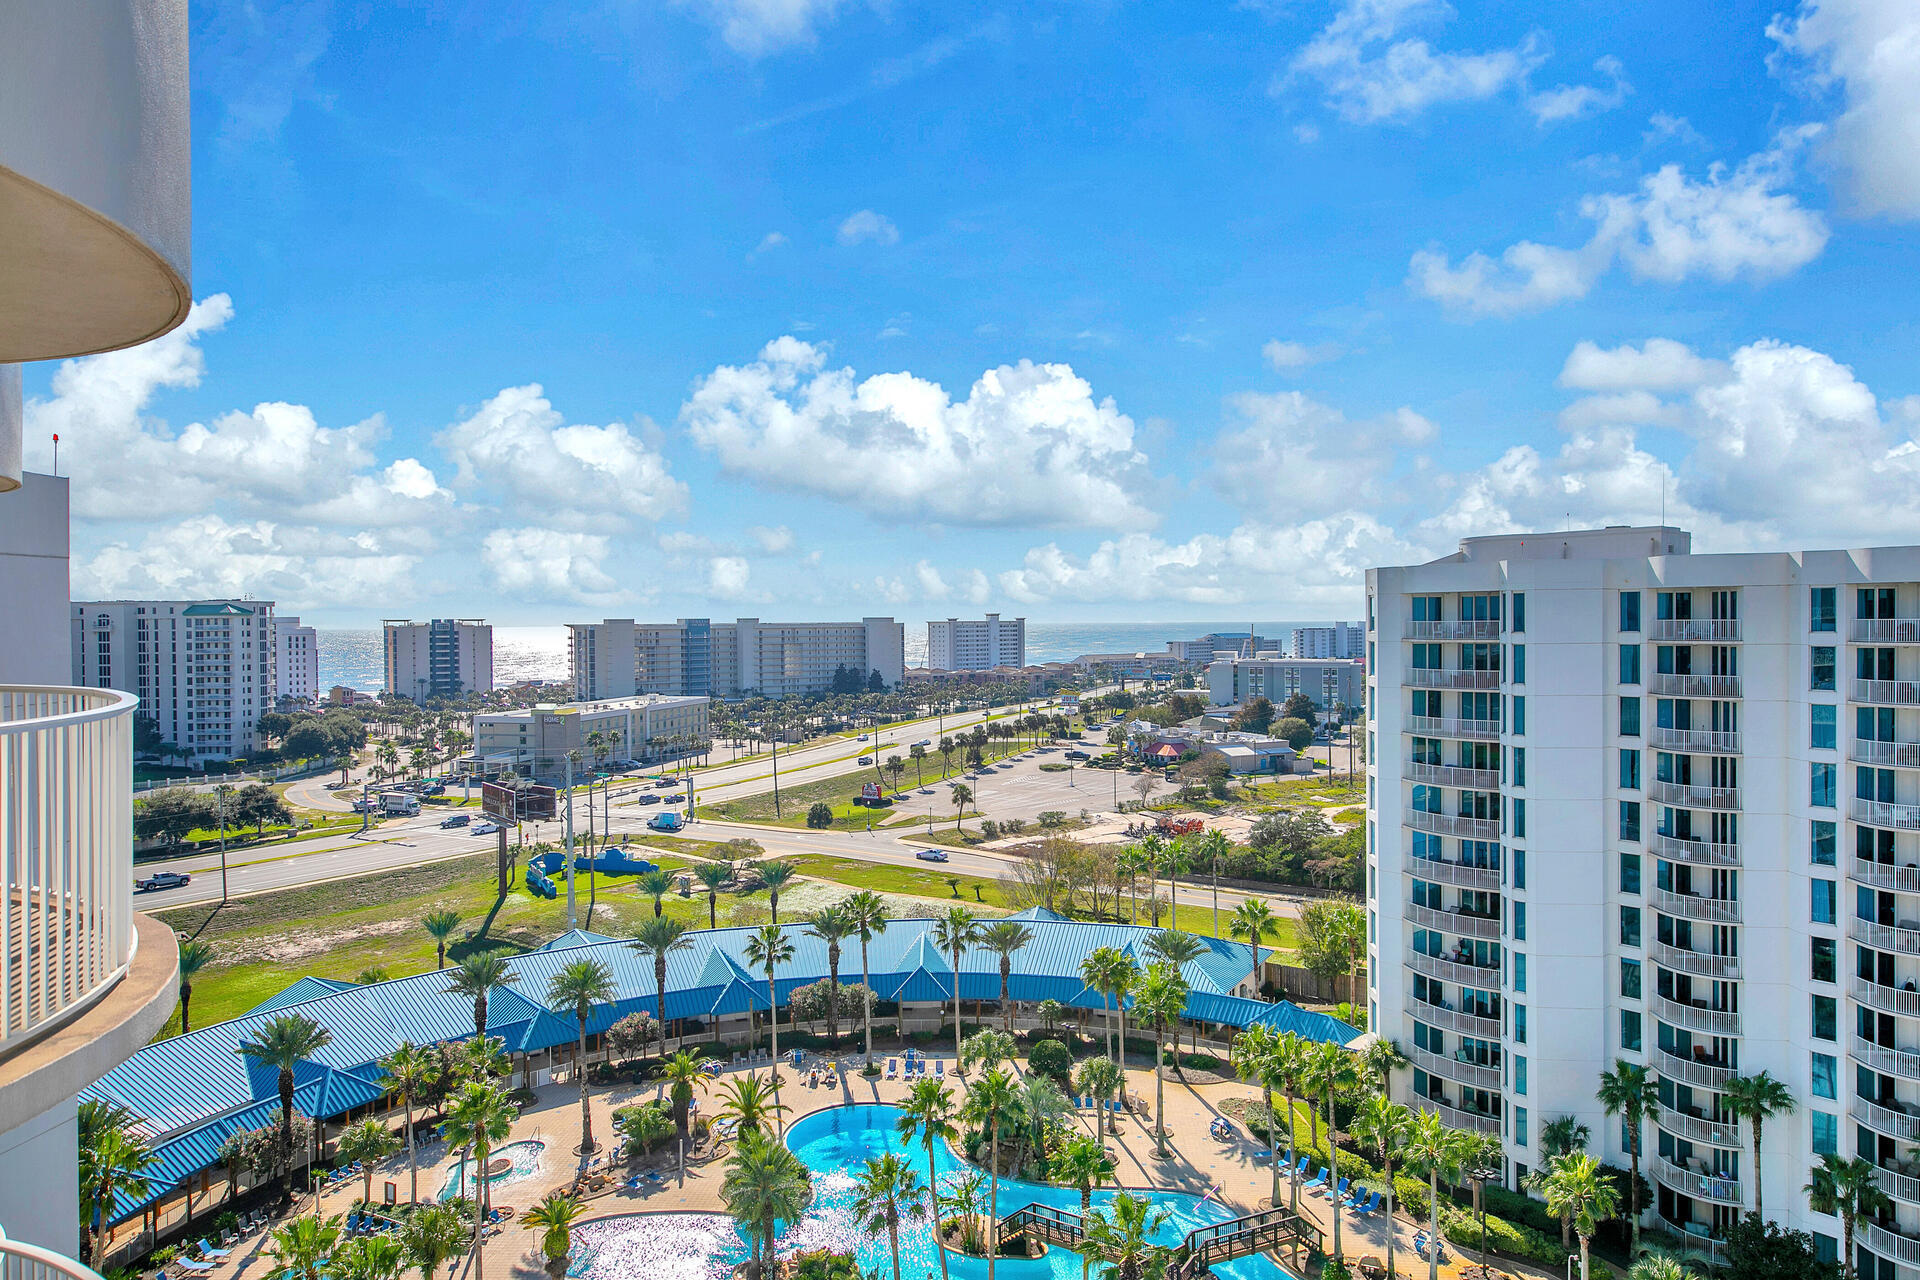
(365, 810)
(220, 804)
(775, 729)
(572, 915)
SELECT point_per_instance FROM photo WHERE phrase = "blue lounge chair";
(1367, 1204)
(1319, 1179)
(208, 1251)
(940, 1069)
(1261, 1157)
(193, 1265)
(1336, 1194)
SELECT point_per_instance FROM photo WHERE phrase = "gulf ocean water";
(352, 656)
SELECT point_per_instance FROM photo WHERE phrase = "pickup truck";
(162, 880)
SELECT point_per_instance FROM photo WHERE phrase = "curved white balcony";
(1700, 964)
(1884, 631)
(1448, 824)
(1883, 875)
(1711, 742)
(1450, 775)
(1448, 727)
(1903, 1125)
(22, 1261)
(1716, 1133)
(1458, 874)
(1693, 1017)
(1482, 977)
(1904, 1187)
(1897, 1245)
(1458, 1119)
(1698, 853)
(1886, 693)
(1668, 685)
(1691, 906)
(1885, 999)
(66, 854)
(1901, 755)
(1454, 1069)
(1690, 1182)
(1453, 1020)
(1904, 1063)
(1693, 796)
(1453, 630)
(1701, 1075)
(1443, 678)
(1881, 813)
(1886, 937)
(1486, 928)
(1694, 630)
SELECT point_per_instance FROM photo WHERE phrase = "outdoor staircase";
(1204, 1247)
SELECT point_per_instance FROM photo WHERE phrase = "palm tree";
(765, 1184)
(405, 1072)
(1631, 1093)
(989, 1101)
(928, 1114)
(768, 948)
(1383, 1058)
(477, 1118)
(1560, 1136)
(1385, 1124)
(1108, 970)
(194, 956)
(887, 1189)
(366, 1143)
(1122, 1237)
(918, 755)
(1003, 938)
(1576, 1187)
(1252, 1057)
(1161, 1000)
(1212, 847)
(301, 1247)
(368, 1258)
(1330, 1071)
(1100, 1078)
(655, 884)
(474, 977)
(430, 1236)
(440, 926)
(867, 913)
(832, 926)
(683, 1073)
(1084, 1163)
(1756, 1098)
(659, 938)
(747, 1102)
(113, 1163)
(580, 986)
(776, 876)
(954, 933)
(556, 1214)
(1655, 1265)
(282, 1043)
(711, 876)
(1849, 1189)
(1436, 1152)
(962, 795)
(1254, 921)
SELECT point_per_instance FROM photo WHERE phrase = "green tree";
(1255, 715)
(1561, 1136)
(281, 1044)
(554, 1215)
(1383, 1058)
(1109, 971)
(194, 956)
(1295, 732)
(1330, 932)
(173, 815)
(1630, 1092)
(659, 938)
(1330, 1072)
(867, 913)
(887, 1190)
(1655, 1265)
(765, 1184)
(475, 976)
(1756, 1098)
(776, 876)
(260, 804)
(655, 884)
(748, 1103)
(1082, 1162)
(1254, 922)
(768, 948)
(1161, 999)
(1005, 938)
(1385, 1124)
(953, 933)
(1252, 1055)
(928, 1115)
(404, 1074)
(832, 926)
(711, 876)
(366, 1143)
(440, 926)
(1100, 1079)
(1121, 1236)
(1298, 706)
(962, 796)
(478, 1118)
(684, 1072)
(301, 1246)
(989, 1101)
(1760, 1250)
(578, 987)
(1848, 1189)
(1576, 1187)
(430, 1236)
(368, 1258)
(1436, 1153)
(113, 1162)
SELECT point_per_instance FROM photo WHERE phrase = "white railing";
(1903, 1125)
(1699, 853)
(1700, 964)
(1906, 755)
(21, 1261)
(1886, 999)
(1693, 906)
(1705, 1075)
(1883, 813)
(1454, 630)
(1449, 824)
(1458, 922)
(1897, 1245)
(1718, 742)
(1674, 685)
(1885, 631)
(1451, 775)
(1885, 875)
(1691, 1182)
(1456, 1118)
(1694, 1017)
(1899, 693)
(1441, 678)
(1448, 727)
(1460, 874)
(66, 853)
(1902, 938)
(1904, 1063)
(1693, 795)
(1687, 630)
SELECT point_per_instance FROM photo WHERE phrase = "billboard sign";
(525, 803)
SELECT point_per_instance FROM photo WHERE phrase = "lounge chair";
(1337, 1194)
(893, 1068)
(193, 1265)
(1299, 1170)
(208, 1251)
(1368, 1203)
(940, 1069)
(1261, 1157)
(1316, 1181)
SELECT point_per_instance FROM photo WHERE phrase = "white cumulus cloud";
(1321, 460)
(519, 445)
(1288, 356)
(727, 576)
(549, 564)
(1371, 71)
(1573, 101)
(207, 555)
(1659, 364)
(868, 227)
(1869, 52)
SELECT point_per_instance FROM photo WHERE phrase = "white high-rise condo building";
(202, 669)
(1341, 640)
(697, 657)
(976, 645)
(445, 658)
(1232, 681)
(296, 661)
(1628, 802)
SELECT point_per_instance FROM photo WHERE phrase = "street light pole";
(572, 916)
(220, 805)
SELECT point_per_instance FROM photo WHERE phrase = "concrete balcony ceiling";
(95, 191)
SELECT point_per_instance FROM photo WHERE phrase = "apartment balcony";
(1900, 1121)
(1484, 977)
(1455, 630)
(1456, 1069)
(1903, 755)
(1693, 906)
(1432, 678)
(1448, 775)
(1693, 796)
(1888, 1243)
(1697, 853)
(1895, 1000)
(1713, 742)
(1694, 630)
(1697, 1128)
(1889, 693)
(22, 1261)
(1700, 964)
(1882, 813)
(1903, 938)
(1447, 824)
(1883, 875)
(1697, 1183)
(1458, 1119)
(1448, 727)
(1697, 1018)
(1461, 923)
(1458, 874)
(1669, 685)
(1440, 1015)
(1884, 631)
(1904, 1063)
(1699, 1073)
(1904, 1187)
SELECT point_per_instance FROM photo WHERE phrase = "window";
(1629, 717)
(1824, 899)
(1823, 666)
(1826, 1076)
(1826, 1133)
(1629, 769)
(1519, 611)
(1519, 766)
(1630, 979)
(1519, 971)
(1823, 611)
(1629, 610)
(1519, 868)
(1629, 664)
(1826, 959)
(1519, 1024)
(1826, 1018)
(1519, 922)
(1630, 873)
(1824, 842)
(1519, 715)
(1519, 819)
(1520, 1074)
(1629, 819)
(1629, 926)
(1823, 786)
(1520, 1126)
(1825, 725)
(1519, 664)
(1630, 1030)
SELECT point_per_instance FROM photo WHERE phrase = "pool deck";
(1199, 1163)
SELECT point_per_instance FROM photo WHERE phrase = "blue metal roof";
(305, 989)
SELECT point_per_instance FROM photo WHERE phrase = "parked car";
(457, 820)
(486, 828)
(1078, 755)
(931, 855)
(649, 798)
(162, 880)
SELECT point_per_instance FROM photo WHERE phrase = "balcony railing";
(66, 853)
(1896, 693)
(1884, 875)
(1692, 906)
(1442, 678)
(1669, 685)
(1700, 964)
(1693, 796)
(1484, 977)
(1456, 922)
(1903, 1125)
(1694, 630)
(1717, 1133)
(1448, 727)
(1883, 813)
(1450, 775)
(1885, 999)
(1904, 1187)
(1454, 630)
(1884, 631)
(1690, 1182)
(21, 1261)
(1714, 742)
(1694, 1017)
(1904, 755)
(1701, 1075)
(1455, 1069)
(1904, 1063)
(1902, 938)
(1698, 853)
(1458, 874)
(1471, 1024)
(1448, 824)
(1888, 1243)
(1458, 1119)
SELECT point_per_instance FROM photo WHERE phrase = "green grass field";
(843, 793)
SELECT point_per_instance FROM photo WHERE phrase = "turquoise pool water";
(525, 1157)
(835, 1144)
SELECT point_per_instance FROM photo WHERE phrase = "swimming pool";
(835, 1144)
(525, 1157)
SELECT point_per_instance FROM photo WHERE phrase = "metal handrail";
(1715, 742)
(22, 1261)
(1450, 678)
(1454, 629)
(1693, 795)
(1903, 755)
(1885, 875)
(1694, 906)
(1451, 824)
(1898, 693)
(1484, 928)
(1459, 874)
(1699, 853)
(1882, 813)
(1693, 1017)
(1451, 775)
(1694, 630)
(1450, 727)
(1674, 685)
(1885, 937)
(1701, 964)
(1904, 1063)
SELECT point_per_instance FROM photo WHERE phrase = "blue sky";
(820, 308)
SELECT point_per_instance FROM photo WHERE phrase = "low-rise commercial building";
(697, 657)
(962, 644)
(444, 658)
(536, 742)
